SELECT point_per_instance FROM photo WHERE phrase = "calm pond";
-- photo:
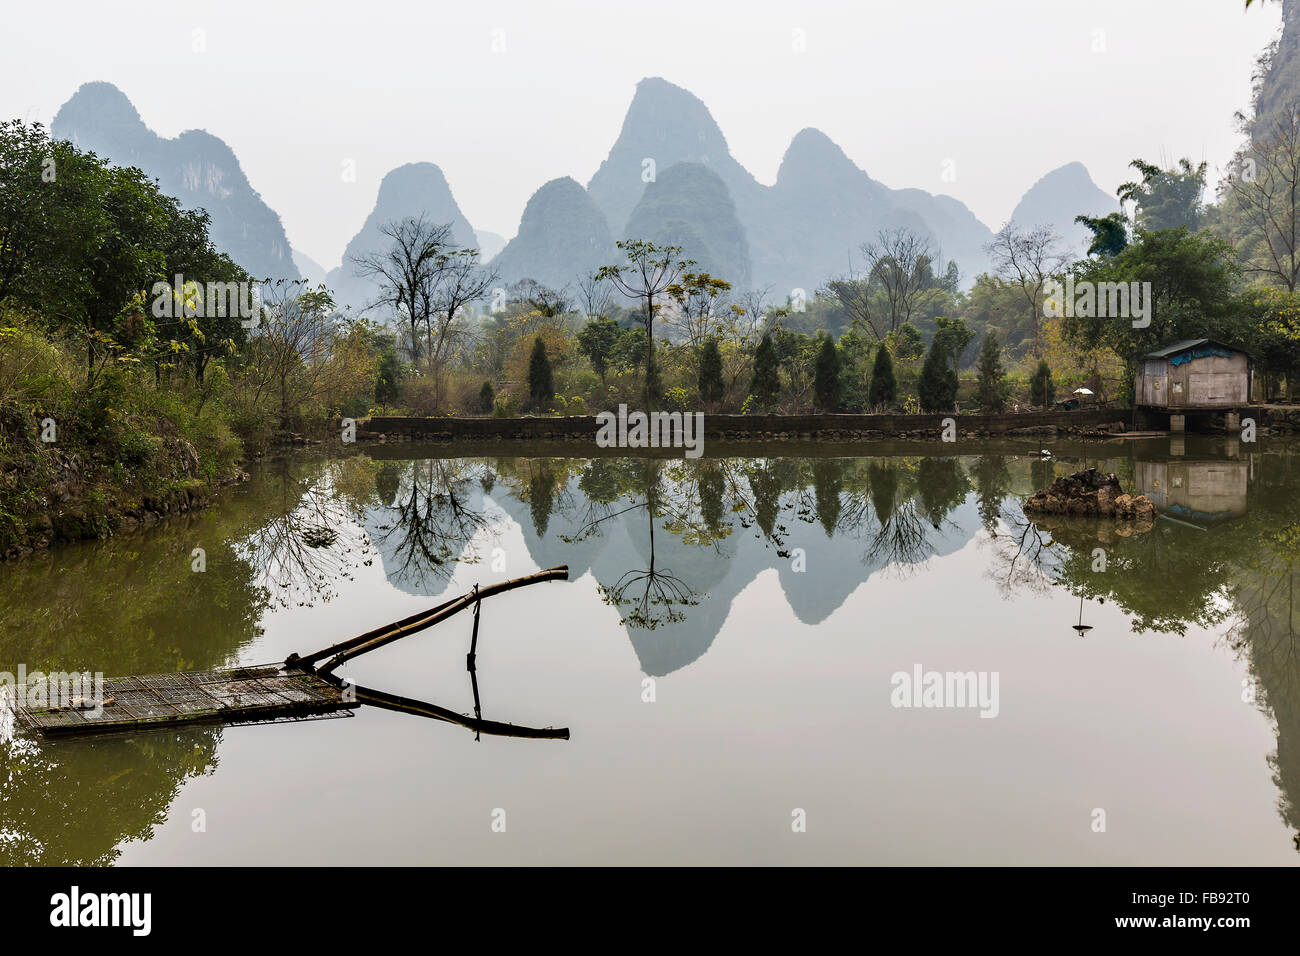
(724, 655)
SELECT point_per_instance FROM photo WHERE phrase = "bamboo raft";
(297, 689)
(239, 695)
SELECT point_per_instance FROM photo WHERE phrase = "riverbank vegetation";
(126, 391)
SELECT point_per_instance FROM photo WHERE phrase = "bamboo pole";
(372, 640)
(407, 705)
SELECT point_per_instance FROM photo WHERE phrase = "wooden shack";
(1192, 375)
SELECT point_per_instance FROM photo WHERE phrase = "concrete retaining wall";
(740, 427)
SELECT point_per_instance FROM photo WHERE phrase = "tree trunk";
(649, 350)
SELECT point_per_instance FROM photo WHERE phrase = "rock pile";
(1091, 494)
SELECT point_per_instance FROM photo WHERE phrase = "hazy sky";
(1006, 89)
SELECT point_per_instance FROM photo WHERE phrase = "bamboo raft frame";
(149, 701)
(294, 690)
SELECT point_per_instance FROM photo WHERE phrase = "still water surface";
(722, 654)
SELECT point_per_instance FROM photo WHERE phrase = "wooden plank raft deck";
(239, 695)
(294, 690)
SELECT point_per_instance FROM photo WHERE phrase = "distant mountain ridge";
(688, 205)
(562, 237)
(1277, 86)
(311, 270)
(1060, 196)
(411, 190)
(803, 230)
(197, 168)
(669, 175)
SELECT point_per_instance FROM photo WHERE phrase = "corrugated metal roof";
(1176, 347)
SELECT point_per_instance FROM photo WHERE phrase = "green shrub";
(991, 385)
(1041, 389)
(677, 399)
(135, 448)
(884, 386)
(826, 381)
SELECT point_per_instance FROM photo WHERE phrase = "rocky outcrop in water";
(1090, 494)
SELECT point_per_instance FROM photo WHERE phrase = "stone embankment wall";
(752, 427)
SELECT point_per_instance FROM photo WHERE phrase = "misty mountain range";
(196, 167)
(669, 177)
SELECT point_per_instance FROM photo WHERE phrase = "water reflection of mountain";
(717, 573)
(673, 543)
(427, 515)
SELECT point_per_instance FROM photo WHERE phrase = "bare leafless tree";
(884, 293)
(1264, 190)
(898, 262)
(291, 343)
(855, 296)
(547, 302)
(757, 317)
(459, 281)
(596, 297)
(408, 272)
(1026, 259)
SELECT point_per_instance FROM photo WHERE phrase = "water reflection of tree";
(1266, 593)
(828, 485)
(654, 595)
(542, 493)
(1165, 579)
(881, 506)
(77, 804)
(540, 483)
(314, 539)
(941, 486)
(992, 484)
(133, 604)
(884, 488)
(895, 507)
(1237, 578)
(1022, 556)
(765, 479)
(430, 522)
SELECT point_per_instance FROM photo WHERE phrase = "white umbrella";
(1083, 391)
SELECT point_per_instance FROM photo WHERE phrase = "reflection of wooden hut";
(1201, 492)
(1194, 374)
